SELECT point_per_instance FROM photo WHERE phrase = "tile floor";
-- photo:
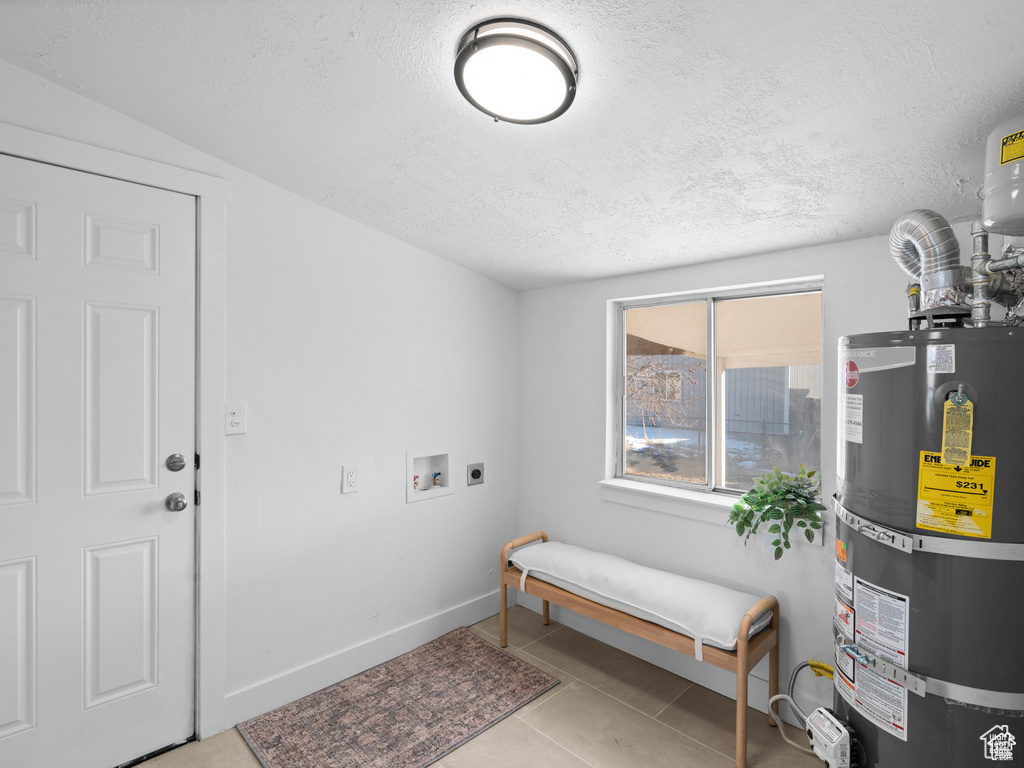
(611, 710)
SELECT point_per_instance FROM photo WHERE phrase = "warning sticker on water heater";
(880, 619)
(843, 662)
(844, 619)
(881, 701)
(844, 583)
(1011, 148)
(956, 499)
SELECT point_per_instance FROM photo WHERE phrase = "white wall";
(349, 347)
(563, 359)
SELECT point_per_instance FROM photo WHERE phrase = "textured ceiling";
(701, 130)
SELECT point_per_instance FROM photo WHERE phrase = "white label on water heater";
(881, 701)
(844, 619)
(844, 663)
(853, 419)
(942, 358)
(844, 583)
(881, 618)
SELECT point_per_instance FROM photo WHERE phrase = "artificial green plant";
(784, 501)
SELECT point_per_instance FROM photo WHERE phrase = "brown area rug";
(406, 713)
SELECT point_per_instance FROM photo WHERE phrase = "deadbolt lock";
(175, 462)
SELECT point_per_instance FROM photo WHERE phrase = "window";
(714, 389)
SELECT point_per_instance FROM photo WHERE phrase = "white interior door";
(97, 388)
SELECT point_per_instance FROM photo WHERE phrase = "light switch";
(234, 419)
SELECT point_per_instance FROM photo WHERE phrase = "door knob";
(176, 502)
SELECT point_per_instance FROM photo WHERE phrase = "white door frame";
(212, 195)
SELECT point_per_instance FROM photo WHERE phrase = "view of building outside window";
(765, 378)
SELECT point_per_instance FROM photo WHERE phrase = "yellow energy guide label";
(953, 498)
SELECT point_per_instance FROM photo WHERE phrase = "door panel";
(17, 228)
(97, 382)
(120, 398)
(17, 636)
(120, 620)
(17, 400)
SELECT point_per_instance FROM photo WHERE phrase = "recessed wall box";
(426, 475)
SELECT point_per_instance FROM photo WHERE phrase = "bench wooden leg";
(742, 670)
(503, 616)
(547, 613)
(741, 718)
(773, 669)
(773, 683)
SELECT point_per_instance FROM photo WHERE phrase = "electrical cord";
(782, 727)
(820, 669)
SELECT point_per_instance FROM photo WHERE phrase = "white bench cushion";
(709, 613)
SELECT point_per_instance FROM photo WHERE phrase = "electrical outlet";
(350, 479)
(475, 474)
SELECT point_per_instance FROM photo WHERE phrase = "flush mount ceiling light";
(516, 71)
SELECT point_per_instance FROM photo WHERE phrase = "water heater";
(929, 567)
(930, 554)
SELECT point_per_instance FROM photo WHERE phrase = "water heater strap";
(922, 684)
(976, 697)
(936, 545)
(909, 680)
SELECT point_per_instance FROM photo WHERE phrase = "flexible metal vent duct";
(923, 243)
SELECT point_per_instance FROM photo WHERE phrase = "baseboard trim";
(251, 699)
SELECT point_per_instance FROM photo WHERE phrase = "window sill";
(705, 506)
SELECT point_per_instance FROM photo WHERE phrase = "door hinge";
(197, 461)
(197, 498)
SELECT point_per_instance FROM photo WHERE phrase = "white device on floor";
(830, 739)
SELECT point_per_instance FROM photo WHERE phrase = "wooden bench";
(740, 661)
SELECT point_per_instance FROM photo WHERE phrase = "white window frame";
(659, 494)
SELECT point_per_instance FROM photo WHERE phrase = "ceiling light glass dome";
(516, 71)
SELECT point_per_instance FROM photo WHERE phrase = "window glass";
(666, 392)
(756, 400)
(768, 352)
